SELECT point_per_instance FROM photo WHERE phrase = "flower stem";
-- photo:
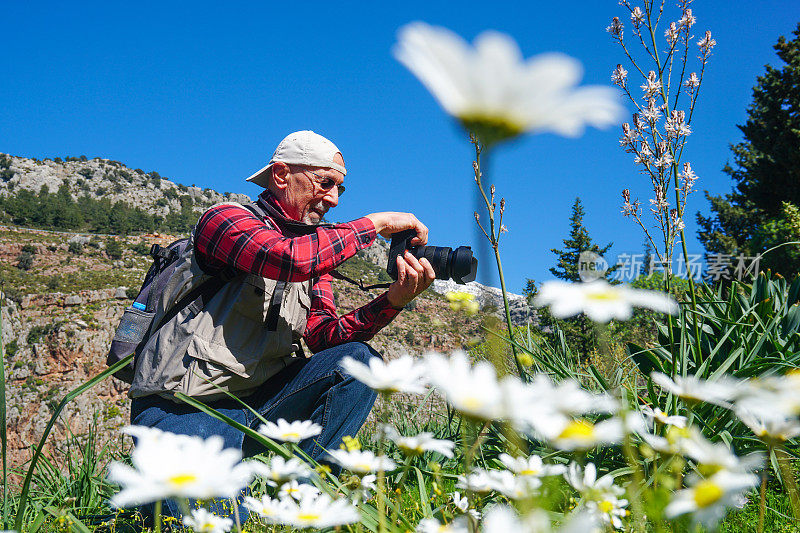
(762, 501)
(158, 517)
(788, 479)
(493, 235)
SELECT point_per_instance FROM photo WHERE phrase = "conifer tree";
(578, 241)
(761, 211)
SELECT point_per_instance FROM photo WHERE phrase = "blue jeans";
(310, 389)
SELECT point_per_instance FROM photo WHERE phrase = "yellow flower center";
(491, 128)
(529, 472)
(308, 516)
(582, 430)
(605, 506)
(180, 480)
(362, 467)
(606, 296)
(707, 493)
(292, 435)
(471, 402)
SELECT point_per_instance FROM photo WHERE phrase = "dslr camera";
(458, 264)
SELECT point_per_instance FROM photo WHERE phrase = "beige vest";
(228, 342)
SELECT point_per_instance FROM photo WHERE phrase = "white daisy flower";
(167, 465)
(478, 480)
(297, 491)
(599, 300)
(532, 466)
(361, 461)
(202, 521)
(770, 427)
(609, 510)
(366, 487)
(403, 374)
(662, 417)
(708, 499)
(462, 504)
(474, 391)
(712, 457)
(580, 433)
(267, 508)
(586, 482)
(432, 525)
(719, 391)
(319, 511)
(511, 486)
(493, 91)
(281, 470)
(424, 442)
(290, 432)
(503, 519)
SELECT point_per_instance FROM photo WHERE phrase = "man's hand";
(389, 222)
(413, 277)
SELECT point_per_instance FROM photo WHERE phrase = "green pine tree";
(578, 241)
(761, 211)
(578, 330)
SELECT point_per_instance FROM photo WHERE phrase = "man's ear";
(279, 173)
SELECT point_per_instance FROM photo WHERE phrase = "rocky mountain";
(107, 179)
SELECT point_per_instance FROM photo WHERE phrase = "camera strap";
(360, 283)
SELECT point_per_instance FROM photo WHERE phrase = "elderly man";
(246, 339)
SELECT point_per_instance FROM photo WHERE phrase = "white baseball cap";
(301, 148)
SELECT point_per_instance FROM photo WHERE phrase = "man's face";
(311, 191)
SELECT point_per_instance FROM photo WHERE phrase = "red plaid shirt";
(228, 235)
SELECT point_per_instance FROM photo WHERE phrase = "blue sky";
(202, 92)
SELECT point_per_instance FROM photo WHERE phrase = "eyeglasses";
(326, 183)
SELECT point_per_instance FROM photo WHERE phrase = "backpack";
(136, 325)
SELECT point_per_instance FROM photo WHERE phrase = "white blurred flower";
(616, 27)
(675, 125)
(664, 418)
(478, 480)
(167, 465)
(692, 82)
(586, 482)
(472, 390)
(403, 374)
(366, 486)
(619, 76)
(532, 466)
(267, 508)
(432, 525)
(503, 519)
(511, 486)
(361, 461)
(719, 391)
(672, 33)
(687, 19)
(713, 457)
(281, 470)
(708, 499)
(297, 491)
(462, 504)
(490, 87)
(651, 86)
(599, 300)
(706, 43)
(609, 510)
(424, 442)
(290, 432)
(580, 434)
(637, 16)
(202, 521)
(318, 511)
(770, 427)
